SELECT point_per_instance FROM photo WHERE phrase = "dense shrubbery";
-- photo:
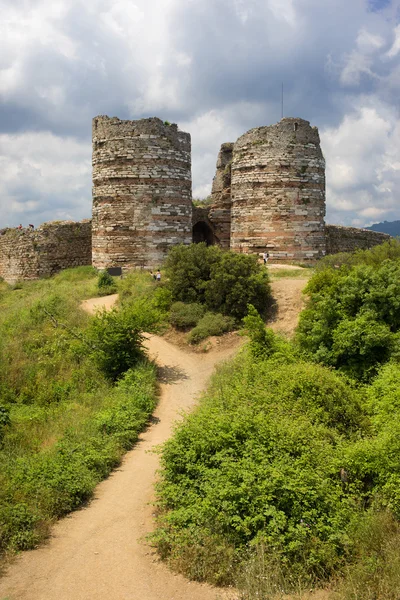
(210, 324)
(184, 316)
(63, 423)
(284, 463)
(352, 318)
(224, 282)
(260, 461)
(115, 340)
(106, 284)
(288, 473)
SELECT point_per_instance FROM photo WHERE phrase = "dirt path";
(94, 304)
(98, 553)
(290, 301)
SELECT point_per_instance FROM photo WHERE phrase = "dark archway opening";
(203, 233)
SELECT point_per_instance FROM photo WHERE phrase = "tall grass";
(65, 423)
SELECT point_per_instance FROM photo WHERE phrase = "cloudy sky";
(216, 68)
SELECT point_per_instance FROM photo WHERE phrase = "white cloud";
(284, 10)
(213, 66)
(368, 42)
(395, 49)
(56, 172)
(363, 169)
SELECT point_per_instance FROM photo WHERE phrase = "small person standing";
(158, 275)
(265, 257)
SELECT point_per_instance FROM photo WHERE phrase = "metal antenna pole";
(282, 101)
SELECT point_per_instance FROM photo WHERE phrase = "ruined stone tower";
(142, 191)
(278, 192)
(220, 210)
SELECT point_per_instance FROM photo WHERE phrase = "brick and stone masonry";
(278, 192)
(348, 239)
(30, 254)
(220, 209)
(142, 191)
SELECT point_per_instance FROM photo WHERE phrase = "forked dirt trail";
(99, 552)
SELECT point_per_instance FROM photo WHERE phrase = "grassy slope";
(69, 426)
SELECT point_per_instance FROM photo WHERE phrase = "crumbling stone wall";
(278, 192)
(348, 239)
(142, 200)
(220, 209)
(30, 254)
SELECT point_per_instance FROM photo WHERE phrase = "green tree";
(188, 270)
(117, 341)
(352, 317)
(237, 280)
(224, 281)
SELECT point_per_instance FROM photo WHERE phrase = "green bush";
(188, 271)
(373, 461)
(237, 280)
(373, 257)
(210, 324)
(184, 316)
(352, 317)
(106, 284)
(262, 340)
(116, 341)
(224, 282)
(259, 462)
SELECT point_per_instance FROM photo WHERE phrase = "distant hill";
(390, 227)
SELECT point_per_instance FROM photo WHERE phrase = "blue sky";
(215, 67)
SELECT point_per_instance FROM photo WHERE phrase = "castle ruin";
(268, 194)
(142, 191)
(278, 192)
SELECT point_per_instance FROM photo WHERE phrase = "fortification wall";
(220, 209)
(278, 192)
(348, 239)
(30, 254)
(142, 200)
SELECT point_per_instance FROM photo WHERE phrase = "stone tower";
(278, 192)
(220, 209)
(142, 191)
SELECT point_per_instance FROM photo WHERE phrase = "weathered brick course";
(142, 191)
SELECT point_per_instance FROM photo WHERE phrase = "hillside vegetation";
(75, 391)
(209, 289)
(287, 476)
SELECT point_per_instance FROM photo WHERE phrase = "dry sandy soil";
(94, 304)
(289, 303)
(99, 552)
